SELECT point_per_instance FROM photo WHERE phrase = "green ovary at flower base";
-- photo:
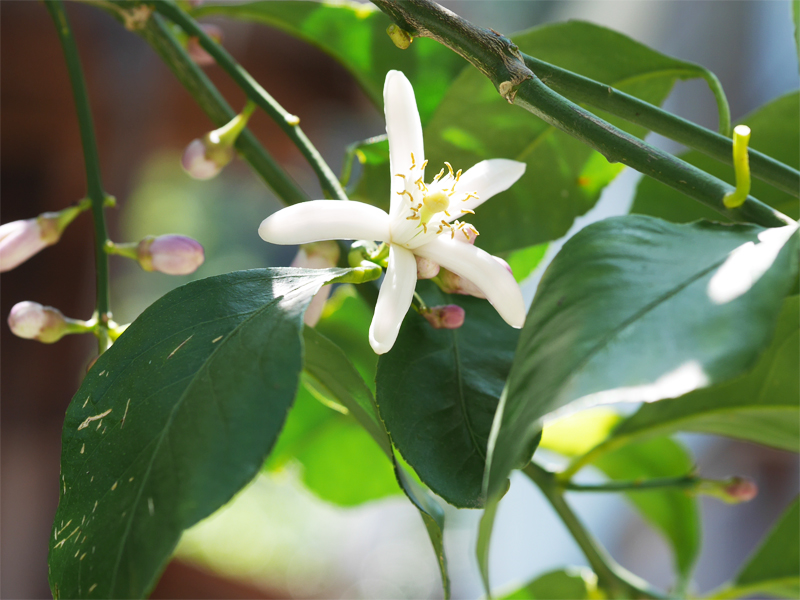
(422, 221)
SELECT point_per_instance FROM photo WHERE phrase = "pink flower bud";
(170, 254)
(426, 269)
(450, 283)
(318, 255)
(195, 50)
(741, 489)
(198, 162)
(32, 321)
(20, 240)
(449, 316)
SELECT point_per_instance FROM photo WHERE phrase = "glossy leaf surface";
(172, 421)
(761, 406)
(567, 584)
(564, 178)
(355, 35)
(438, 390)
(775, 131)
(634, 308)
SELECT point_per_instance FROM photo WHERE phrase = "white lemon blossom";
(422, 221)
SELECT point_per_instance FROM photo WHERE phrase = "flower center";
(427, 203)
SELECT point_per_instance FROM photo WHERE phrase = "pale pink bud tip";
(317, 255)
(450, 283)
(32, 321)
(170, 254)
(426, 269)
(195, 162)
(20, 240)
(741, 489)
(449, 316)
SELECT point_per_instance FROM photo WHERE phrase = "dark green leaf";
(438, 390)
(634, 308)
(355, 35)
(564, 177)
(330, 368)
(671, 511)
(775, 131)
(760, 406)
(568, 584)
(774, 568)
(172, 421)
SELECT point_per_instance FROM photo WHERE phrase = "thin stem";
(499, 59)
(582, 89)
(589, 457)
(94, 182)
(611, 575)
(218, 110)
(685, 481)
(285, 120)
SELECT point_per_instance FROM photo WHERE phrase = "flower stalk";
(92, 163)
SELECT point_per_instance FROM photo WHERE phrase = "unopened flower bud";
(206, 156)
(733, 490)
(741, 489)
(170, 254)
(450, 283)
(318, 255)
(20, 240)
(449, 316)
(32, 321)
(426, 269)
(195, 50)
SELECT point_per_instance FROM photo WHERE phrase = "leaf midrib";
(168, 425)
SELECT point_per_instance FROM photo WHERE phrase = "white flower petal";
(394, 299)
(481, 269)
(488, 178)
(404, 130)
(325, 220)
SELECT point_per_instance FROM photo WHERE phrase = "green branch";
(285, 120)
(611, 575)
(582, 89)
(94, 183)
(685, 481)
(499, 59)
(218, 110)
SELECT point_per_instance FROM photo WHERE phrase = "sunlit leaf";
(634, 308)
(567, 584)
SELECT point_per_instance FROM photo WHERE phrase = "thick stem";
(94, 182)
(582, 89)
(611, 576)
(500, 60)
(285, 120)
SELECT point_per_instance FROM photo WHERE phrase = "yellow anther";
(447, 213)
(470, 195)
(400, 175)
(421, 185)
(424, 227)
(458, 175)
(413, 218)
(466, 210)
(439, 175)
(449, 168)
(413, 162)
(424, 164)
(406, 192)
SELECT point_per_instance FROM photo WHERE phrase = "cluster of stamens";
(437, 201)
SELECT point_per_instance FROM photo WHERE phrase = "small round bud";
(196, 162)
(317, 255)
(170, 254)
(426, 268)
(450, 283)
(449, 316)
(32, 321)
(195, 50)
(741, 489)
